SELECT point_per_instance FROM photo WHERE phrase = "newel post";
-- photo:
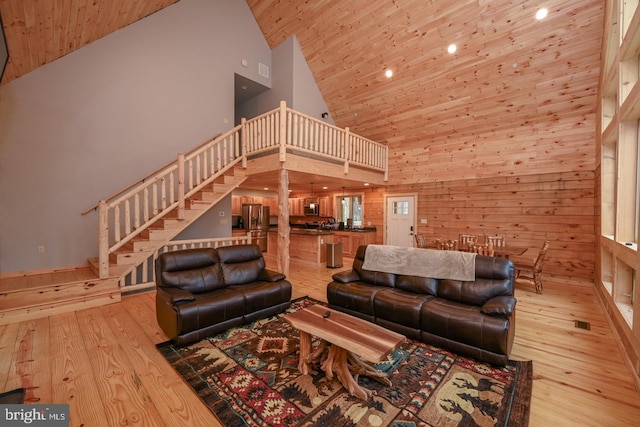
(243, 139)
(103, 239)
(180, 186)
(283, 131)
(347, 150)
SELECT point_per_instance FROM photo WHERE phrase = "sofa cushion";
(376, 278)
(209, 309)
(419, 285)
(188, 259)
(496, 268)
(192, 270)
(241, 264)
(473, 293)
(356, 296)
(260, 295)
(346, 276)
(176, 295)
(494, 277)
(500, 306)
(400, 306)
(466, 324)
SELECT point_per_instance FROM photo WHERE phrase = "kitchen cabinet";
(351, 240)
(325, 206)
(236, 205)
(238, 201)
(272, 202)
(296, 206)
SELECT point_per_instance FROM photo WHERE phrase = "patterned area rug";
(248, 376)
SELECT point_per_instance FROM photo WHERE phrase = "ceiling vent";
(263, 70)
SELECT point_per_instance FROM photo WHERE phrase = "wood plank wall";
(559, 207)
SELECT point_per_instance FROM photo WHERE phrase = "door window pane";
(401, 208)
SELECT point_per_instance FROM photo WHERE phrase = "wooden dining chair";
(468, 239)
(531, 273)
(421, 240)
(498, 241)
(447, 245)
(485, 249)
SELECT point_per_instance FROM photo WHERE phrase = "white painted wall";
(292, 81)
(306, 94)
(84, 126)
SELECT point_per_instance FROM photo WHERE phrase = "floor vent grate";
(583, 325)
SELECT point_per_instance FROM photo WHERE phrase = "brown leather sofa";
(201, 292)
(474, 319)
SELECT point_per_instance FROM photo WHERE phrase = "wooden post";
(181, 186)
(103, 240)
(386, 164)
(243, 141)
(283, 222)
(283, 132)
(347, 150)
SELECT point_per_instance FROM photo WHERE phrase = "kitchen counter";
(295, 229)
(310, 244)
(304, 244)
(310, 231)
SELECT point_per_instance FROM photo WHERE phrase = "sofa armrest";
(175, 296)
(346, 276)
(500, 306)
(270, 275)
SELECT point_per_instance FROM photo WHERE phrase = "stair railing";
(128, 215)
(131, 211)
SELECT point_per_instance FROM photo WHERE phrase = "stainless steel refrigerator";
(256, 221)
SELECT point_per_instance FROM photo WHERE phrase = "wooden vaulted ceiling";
(517, 91)
(509, 72)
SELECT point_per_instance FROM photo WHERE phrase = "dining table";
(509, 250)
(506, 251)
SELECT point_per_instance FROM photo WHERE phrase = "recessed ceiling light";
(265, 188)
(541, 13)
(325, 187)
(388, 73)
(366, 184)
(452, 48)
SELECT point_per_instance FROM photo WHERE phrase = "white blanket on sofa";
(421, 262)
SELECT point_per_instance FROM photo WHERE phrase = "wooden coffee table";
(344, 340)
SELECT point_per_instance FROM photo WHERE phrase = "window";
(401, 208)
(350, 207)
(619, 145)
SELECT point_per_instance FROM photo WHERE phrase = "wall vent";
(263, 70)
(583, 325)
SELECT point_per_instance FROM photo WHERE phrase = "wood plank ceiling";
(517, 97)
(523, 90)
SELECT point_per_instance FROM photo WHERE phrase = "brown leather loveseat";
(201, 292)
(470, 318)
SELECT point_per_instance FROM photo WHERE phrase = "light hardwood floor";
(103, 361)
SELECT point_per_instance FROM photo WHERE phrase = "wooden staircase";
(146, 244)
